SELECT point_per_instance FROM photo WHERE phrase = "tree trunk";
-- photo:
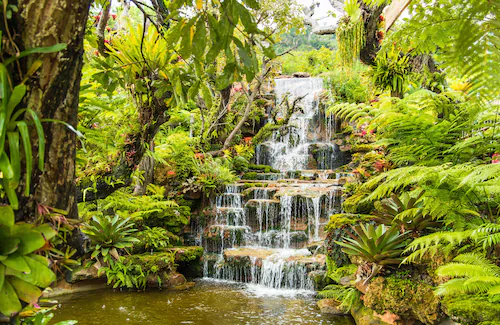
(147, 166)
(54, 94)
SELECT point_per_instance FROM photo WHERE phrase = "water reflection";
(209, 302)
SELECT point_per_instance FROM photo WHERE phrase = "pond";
(209, 302)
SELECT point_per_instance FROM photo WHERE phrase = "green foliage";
(405, 212)
(152, 239)
(110, 235)
(44, 316)
(22, 272)
(347, 87)
(211, 175)
(14, 127)
(139, 271)
(350, 34)
(391, 72)
(471, 273)
(379, 245)
(314, 62)
(347, 295)
(463, 33)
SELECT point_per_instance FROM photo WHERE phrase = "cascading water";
(260, 233)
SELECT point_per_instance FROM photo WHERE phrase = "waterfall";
(260, 229)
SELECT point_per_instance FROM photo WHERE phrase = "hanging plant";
(350, 34)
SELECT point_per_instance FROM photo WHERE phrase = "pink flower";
(495, 158)
(363, 133)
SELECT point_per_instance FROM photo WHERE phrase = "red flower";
(108, 29)
(380, 34)
(381, 18)
(363, 133)
(495, 158)
(247, 139)
(106, 41)
(171, 173)
(113, 16)
(238, 87)
(199, 155)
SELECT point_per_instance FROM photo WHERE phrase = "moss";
(343, 219)
(153, 263)
(250, 176)
(263, 168)
(469, 310)
(356, 204)
(187, 253)
(404, 297)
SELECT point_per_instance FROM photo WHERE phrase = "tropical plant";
(22, 272)
(14, 128)
(110, 235)
(350, 33)
(471, 273)
(153, 239)
(391, 71)
(348, 296)
(406, 212)
(125, 275)
(381, 245)
(44, 316)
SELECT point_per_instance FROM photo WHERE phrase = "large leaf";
(25, 291)
(31, 240)
(9, 303)
(48, 49)
(40, 274)
(17, 263)
(6, 216)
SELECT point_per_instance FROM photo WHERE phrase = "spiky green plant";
(379, 245)
(348, 296)
(110, 235)
(406, 212)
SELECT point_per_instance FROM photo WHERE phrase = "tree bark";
(101, 28)
(54, 94)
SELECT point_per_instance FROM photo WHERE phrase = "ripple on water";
(209, 302)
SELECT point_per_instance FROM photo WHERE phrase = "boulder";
(320, 279)
(82, 274)
(365, 316)
(331, 306)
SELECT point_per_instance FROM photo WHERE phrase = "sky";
(321, 14)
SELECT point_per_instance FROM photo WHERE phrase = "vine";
(350, 34)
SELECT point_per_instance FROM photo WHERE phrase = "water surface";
(209, 302)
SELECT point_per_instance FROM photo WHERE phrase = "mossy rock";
(405, 298)
(365, 316)
(250, 176)
(471, 310)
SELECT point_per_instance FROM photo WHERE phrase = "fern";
(472, 273)
(347, 295)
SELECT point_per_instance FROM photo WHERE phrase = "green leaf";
(41, 138)
(200, 38)
(2, 274)
(47, 231)
(15, 159)
(11, 194)
(25, 291)
(28, 158)
(16, 262)
(16, 97)
(254, 4)
(7, 216)
(206, 94)
(9, 303)
(48, 49)
(6, 167)
(40, 274)
(30, 241)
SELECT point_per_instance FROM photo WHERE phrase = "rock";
(365, 316)
(301, 75)
(320, 279)
(82, 274)
(185, 286)
(331, 306)
(174, 279)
